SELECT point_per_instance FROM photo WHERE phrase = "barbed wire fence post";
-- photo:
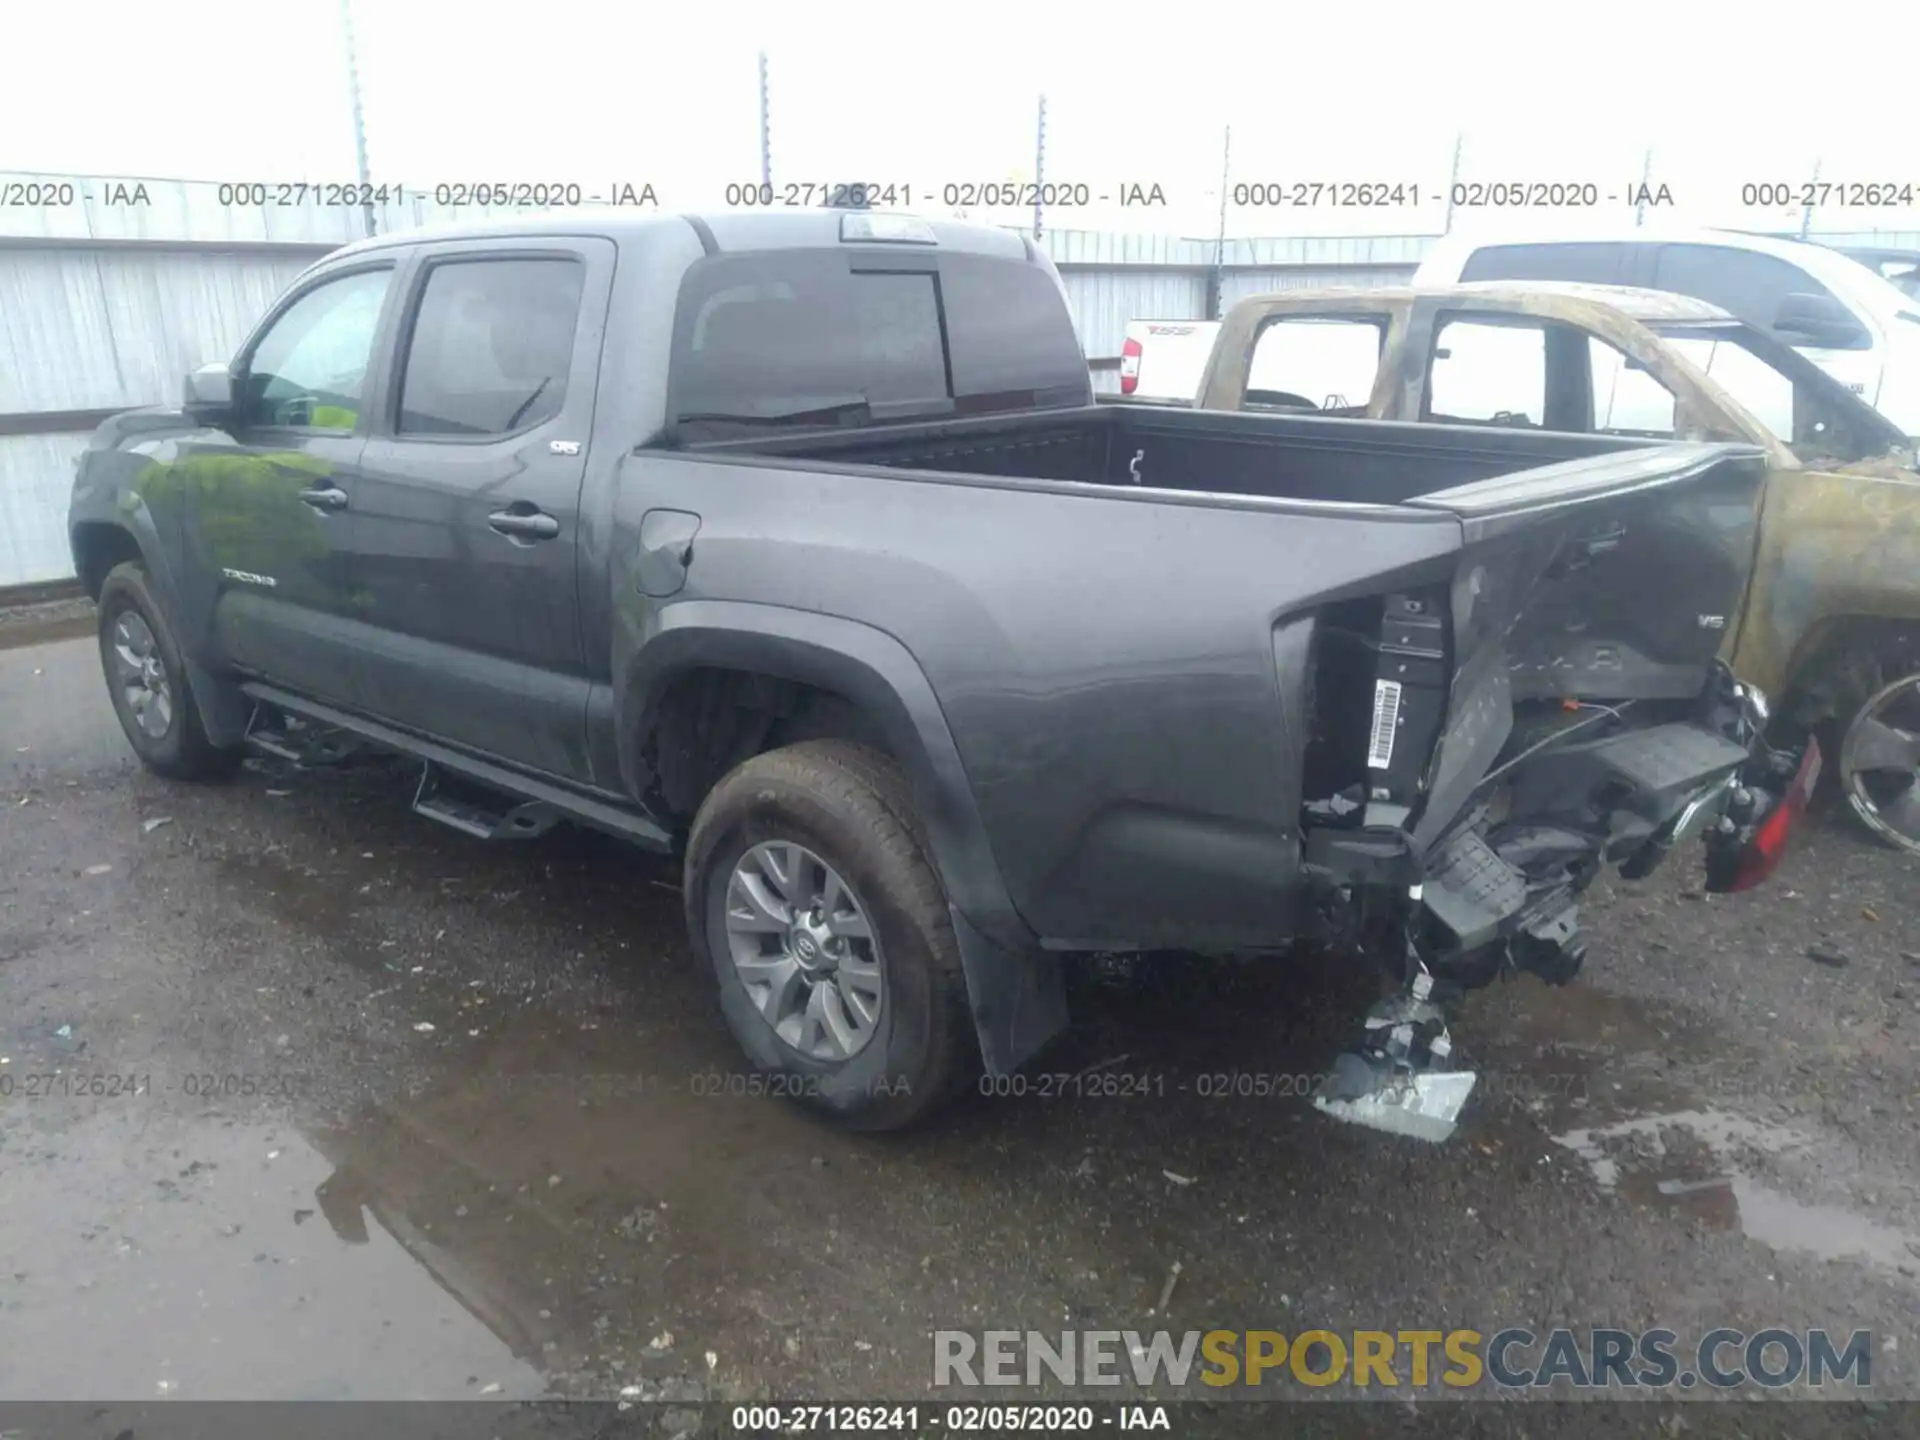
(1217, 279)
(766, 130)
(365, 174)
(1806, 212)
(1039, 165)
(1453, 180)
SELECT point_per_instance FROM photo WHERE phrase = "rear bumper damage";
(1497, 892)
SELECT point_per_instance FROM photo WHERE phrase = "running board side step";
(298, 741)
(602, 810)
(471, 816)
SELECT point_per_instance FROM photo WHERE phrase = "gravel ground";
(386, 1113)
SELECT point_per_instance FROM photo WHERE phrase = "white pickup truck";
(1163, 361)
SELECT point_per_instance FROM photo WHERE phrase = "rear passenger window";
(1488, 374)
(1325, 363)
(491, 347)
(1627, 401)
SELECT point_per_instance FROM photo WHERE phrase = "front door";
(267, 500)
(467, 511)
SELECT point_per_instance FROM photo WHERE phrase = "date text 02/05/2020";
(800, 1419)
(536, 194)
(1463, 194)
(897, 195)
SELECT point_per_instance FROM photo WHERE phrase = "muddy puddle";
(151, 1256)
(1714, 1167)
(1660, 1113)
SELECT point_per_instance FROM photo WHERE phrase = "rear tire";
(147, 682)
(883, 1042)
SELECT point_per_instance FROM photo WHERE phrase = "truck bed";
(1176, 448)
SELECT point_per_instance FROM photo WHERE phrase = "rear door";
(467, 515)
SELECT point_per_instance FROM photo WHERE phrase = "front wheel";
(1879, 762)
(811, 896)
(147, 681)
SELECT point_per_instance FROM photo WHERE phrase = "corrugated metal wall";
(1104, 301)
(106, 303)
(1237, 285)
(84, 329)
(36, 474)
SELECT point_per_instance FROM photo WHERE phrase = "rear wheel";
(812, 898)
(147, 681)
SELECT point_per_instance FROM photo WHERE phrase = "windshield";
(1868, 286)
(1798, 402)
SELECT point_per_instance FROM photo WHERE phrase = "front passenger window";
(309, 370)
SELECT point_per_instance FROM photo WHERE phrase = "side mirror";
(209, 394)
(1819, 321)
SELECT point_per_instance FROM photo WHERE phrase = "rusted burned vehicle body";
(1830, 624)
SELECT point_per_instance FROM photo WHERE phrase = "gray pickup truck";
(796, 545)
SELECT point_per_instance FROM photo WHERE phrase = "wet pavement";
(302, 1096)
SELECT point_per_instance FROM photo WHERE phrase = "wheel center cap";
(809, 948)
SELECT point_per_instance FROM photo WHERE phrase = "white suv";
(1842, 315)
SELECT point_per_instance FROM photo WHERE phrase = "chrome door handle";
(325, 497)
(524, 525)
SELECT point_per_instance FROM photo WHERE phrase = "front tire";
(147, 682)
(811, 896)
(1879, 765)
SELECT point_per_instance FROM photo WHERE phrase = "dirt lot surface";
(304, 1097)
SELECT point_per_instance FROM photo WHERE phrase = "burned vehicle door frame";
(1829, 624)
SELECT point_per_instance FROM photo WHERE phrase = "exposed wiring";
(1558, 735)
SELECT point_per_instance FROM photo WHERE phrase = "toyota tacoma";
(795, 545)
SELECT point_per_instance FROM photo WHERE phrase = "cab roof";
(1647, 306)
(724, 232)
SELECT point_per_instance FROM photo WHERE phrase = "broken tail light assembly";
(1751, 836)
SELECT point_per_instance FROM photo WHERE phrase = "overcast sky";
(597, 92)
